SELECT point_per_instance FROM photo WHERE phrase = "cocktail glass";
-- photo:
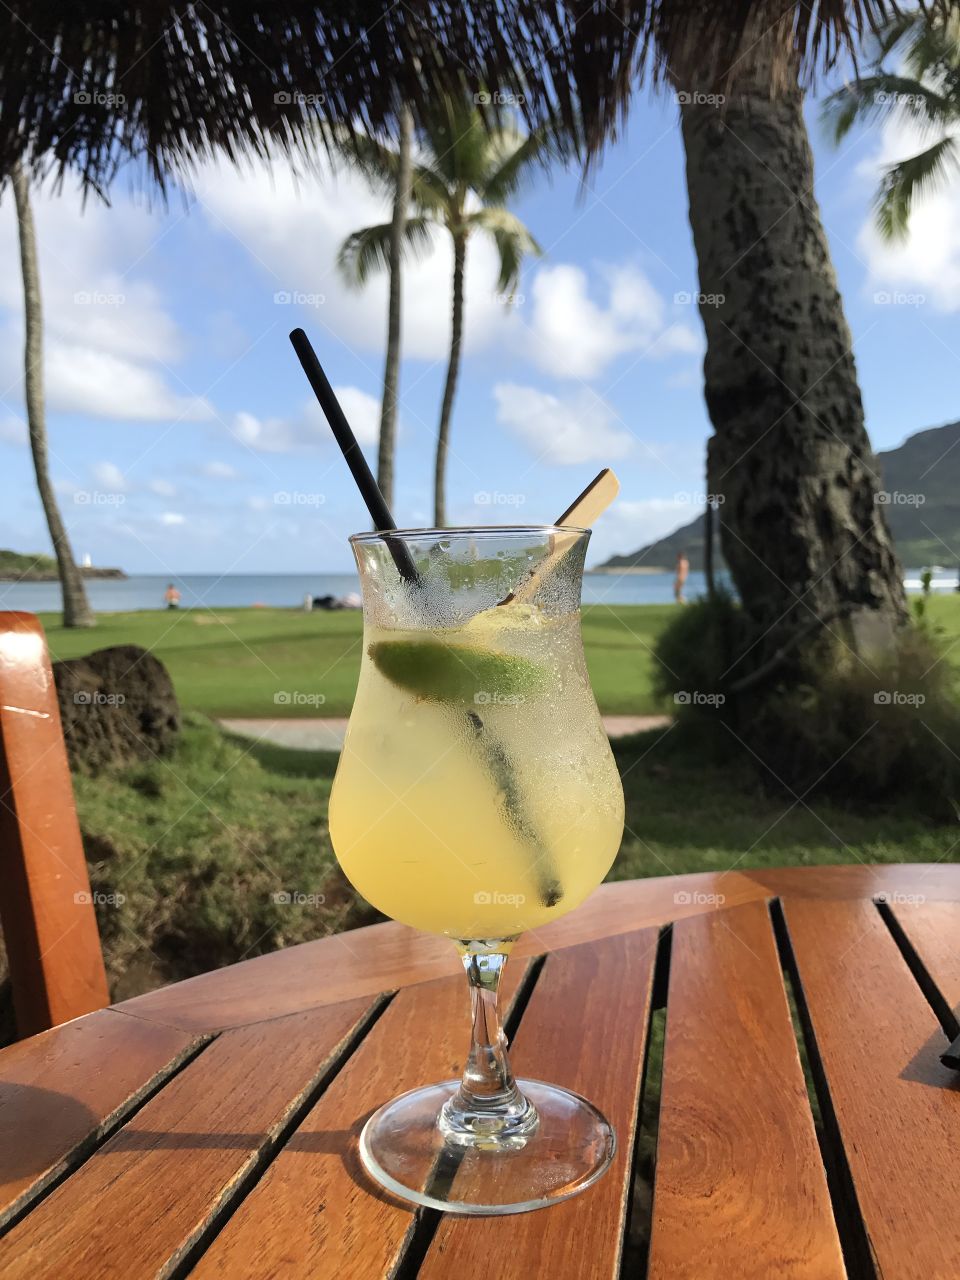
(477, 797)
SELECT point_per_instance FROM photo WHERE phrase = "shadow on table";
(342, 1143)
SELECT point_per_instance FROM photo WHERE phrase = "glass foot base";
(551, 1156)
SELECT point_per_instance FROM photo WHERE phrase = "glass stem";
(488, 1110)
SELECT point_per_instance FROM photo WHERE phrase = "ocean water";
(286, 591)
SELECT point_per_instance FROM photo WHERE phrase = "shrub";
(826, 721)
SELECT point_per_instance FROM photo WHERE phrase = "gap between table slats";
(585, 1028)
(314, 1212)
(897, 1108)
(740, 1186)
(143, 1198)
(97, 1072)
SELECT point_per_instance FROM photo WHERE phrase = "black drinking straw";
(497, 760)
(376, 504)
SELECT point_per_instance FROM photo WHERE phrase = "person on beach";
(679, 582)
(172, 597)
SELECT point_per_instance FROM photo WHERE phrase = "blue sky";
(182, 437)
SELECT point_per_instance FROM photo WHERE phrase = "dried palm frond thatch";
(84, 85)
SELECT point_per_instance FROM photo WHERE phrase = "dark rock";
(116, 705)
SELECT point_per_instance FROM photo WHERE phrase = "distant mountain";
(921, 482)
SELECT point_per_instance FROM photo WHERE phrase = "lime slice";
(456, 673)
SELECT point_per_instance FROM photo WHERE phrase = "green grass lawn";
(235, 662)
(200, 845)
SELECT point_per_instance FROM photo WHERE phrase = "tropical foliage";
(922, 87)
(462, 175)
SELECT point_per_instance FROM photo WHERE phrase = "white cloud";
(362, 412)
(293, 229)
(927, 261)
(107, 332)
(572, 336)
(629, 525)
(163, 488)
(579, 428)
(217, 470)
(308, 429)
(102, 385)
(172, 518)
(110, 476)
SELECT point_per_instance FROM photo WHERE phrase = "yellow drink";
(476, 795)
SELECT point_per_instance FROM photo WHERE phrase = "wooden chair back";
(46, 908)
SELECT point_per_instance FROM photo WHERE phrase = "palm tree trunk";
(76, 610)
(450, 387)
(391, 371)
(708, 550)
(802, 530)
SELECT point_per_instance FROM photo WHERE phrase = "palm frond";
(883, 94)
(366, 252)
(903, 182)
(511, 159)
(86, 86)
(512, 238)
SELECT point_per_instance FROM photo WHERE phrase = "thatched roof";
(84, 84)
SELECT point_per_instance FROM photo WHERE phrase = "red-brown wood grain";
(46, 910)
(585, 1028)
(933, 928)
(740, 1187)
(897, 1106)
(139, 1201)
(385, 956)
(315, 1212)
(62, 1088)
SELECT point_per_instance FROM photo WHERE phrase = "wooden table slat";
(740, 1185)
(585, 1028)
(897, 1107)
(136, 1204)
(62, 1088)
(933, 930)
(315, 1213)
(383, 956)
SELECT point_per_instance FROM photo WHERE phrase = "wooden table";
(209, 1128)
